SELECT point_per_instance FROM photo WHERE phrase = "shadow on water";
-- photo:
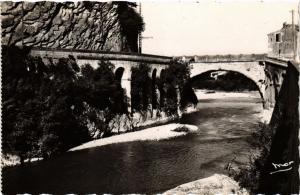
(148, 166)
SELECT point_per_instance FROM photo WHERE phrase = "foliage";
(140, 88)
(248, 177)
(105, 91)
(174, 80)
(173, 83)
(48, 109)
(131, 23)
(20, 81)
(188, 96)
(105, 99)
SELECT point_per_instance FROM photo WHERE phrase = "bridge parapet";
(99, 55)
(277, 61)
(123, 62)
(226, 58)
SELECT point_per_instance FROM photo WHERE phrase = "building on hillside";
(281, 42)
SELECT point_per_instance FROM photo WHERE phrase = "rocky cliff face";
(73, 25)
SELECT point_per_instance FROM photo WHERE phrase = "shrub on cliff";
(131, 23)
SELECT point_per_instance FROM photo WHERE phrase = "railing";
(100, 55)
(227, 58)
(277, 61)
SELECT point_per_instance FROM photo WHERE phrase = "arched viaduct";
(123, 62)
(266, 73)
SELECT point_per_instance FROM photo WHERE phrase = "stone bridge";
(266, 73)
(123, 62)
(55, 25)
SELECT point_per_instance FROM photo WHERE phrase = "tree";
(41, 105)
(174, 80)
(105, 98)
(131, 23)
(21, 103)
(140, 88)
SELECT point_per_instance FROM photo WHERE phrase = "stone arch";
(276, 78)
(252, 70)
(257, 83)
(162, 92)
(153, 88)
(162, 72)
(119, 73)
(270, 92)
(276, 81)
(154, 73)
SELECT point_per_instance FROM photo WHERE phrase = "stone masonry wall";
(73, 25)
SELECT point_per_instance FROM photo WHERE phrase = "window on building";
(278, 37)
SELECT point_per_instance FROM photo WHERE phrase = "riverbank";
(265, 115)
(154, 133)
(210, 94)
(215, 184)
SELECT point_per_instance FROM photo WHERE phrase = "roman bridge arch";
(252, 70)
(251, 66)
(267, 73)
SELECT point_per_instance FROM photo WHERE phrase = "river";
(148, 166)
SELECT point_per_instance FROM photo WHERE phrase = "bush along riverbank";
(52, 105)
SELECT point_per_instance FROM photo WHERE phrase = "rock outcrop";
(215, 184)
(72, 25)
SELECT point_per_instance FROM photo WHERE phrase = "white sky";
(212, 27)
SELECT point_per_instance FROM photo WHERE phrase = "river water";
(148, 166)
